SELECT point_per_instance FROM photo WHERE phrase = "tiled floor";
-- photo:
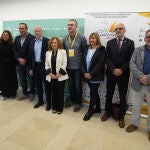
(25, 128)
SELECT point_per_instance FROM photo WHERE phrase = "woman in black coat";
(8, 75)
(93, 72)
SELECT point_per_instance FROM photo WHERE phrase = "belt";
(38, 63)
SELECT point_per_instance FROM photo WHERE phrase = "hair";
(122, 25)
(96, 35)
(10, 40)
(74, 21)
(147, 32)
(58, 41)
(24, 25)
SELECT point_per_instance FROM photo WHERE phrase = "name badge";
(71, 52)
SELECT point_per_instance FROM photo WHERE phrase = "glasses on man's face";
(148, 37)
(119, 29)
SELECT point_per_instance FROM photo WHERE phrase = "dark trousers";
(9, 93)
(122, 82)
(57, 95)
(40, 79)
(24, 78)
(94, 97)
(75, 87)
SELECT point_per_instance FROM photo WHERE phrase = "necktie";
(119, 45)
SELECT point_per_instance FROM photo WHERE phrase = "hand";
(87, 76)
(57, 76)
(117, 72)
(53, 76)
(31, 73)
(22, 61)
(144, 80)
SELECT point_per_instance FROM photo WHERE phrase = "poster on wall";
(104, 23)
(51, 27)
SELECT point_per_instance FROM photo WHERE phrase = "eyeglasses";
(119, 29)
(148, 37)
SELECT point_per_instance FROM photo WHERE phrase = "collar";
(120, 39)
(39, 39)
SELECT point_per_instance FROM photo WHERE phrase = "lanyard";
(72, 41)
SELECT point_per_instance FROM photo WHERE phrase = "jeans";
(24, 78)
(75, 87)
(137, 101)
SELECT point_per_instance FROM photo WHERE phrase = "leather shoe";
(38, 105)
(131, 128)
(48, 108)
(121, 123)
(77, 108)
(105, 117)
(149, 135)
(59, 112)
(23, 97)
(54, 111)
(87, 116)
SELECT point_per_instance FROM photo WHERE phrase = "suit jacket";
(32, 54)
(96, 65)
(61, 64)
(115, 59)
(136, 66)
(22, 51)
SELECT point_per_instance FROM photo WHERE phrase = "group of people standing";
(52, 62)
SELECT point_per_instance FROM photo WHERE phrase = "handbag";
(115, 110)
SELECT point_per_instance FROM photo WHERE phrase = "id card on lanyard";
(71, 50)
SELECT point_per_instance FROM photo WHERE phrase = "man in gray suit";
(140, 67)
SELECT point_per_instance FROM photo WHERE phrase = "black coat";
(115, 59)
(8, 75)
(22, 51)
(96, 66)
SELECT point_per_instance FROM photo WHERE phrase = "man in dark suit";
(38, 48)
(118, 54)
(21, 53)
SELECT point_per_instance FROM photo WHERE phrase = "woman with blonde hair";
(56, 75)
(93, 72)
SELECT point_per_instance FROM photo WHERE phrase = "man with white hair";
(37, 51)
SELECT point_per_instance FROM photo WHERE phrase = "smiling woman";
(56, 74)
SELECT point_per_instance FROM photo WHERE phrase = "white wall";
(48, 9)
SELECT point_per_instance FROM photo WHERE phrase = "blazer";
(96, 65)
(22, 51)
(32, 54)
(61, 64)
(136, 66)
(115, 59)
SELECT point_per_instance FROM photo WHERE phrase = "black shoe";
(68, 104)
(87, 116)
(59, 112)
(48, 108)
(54, 111)
(38, 105)
(77, 108)
(96, 110)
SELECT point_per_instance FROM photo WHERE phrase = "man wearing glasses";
(140, 67)
(118, 54)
